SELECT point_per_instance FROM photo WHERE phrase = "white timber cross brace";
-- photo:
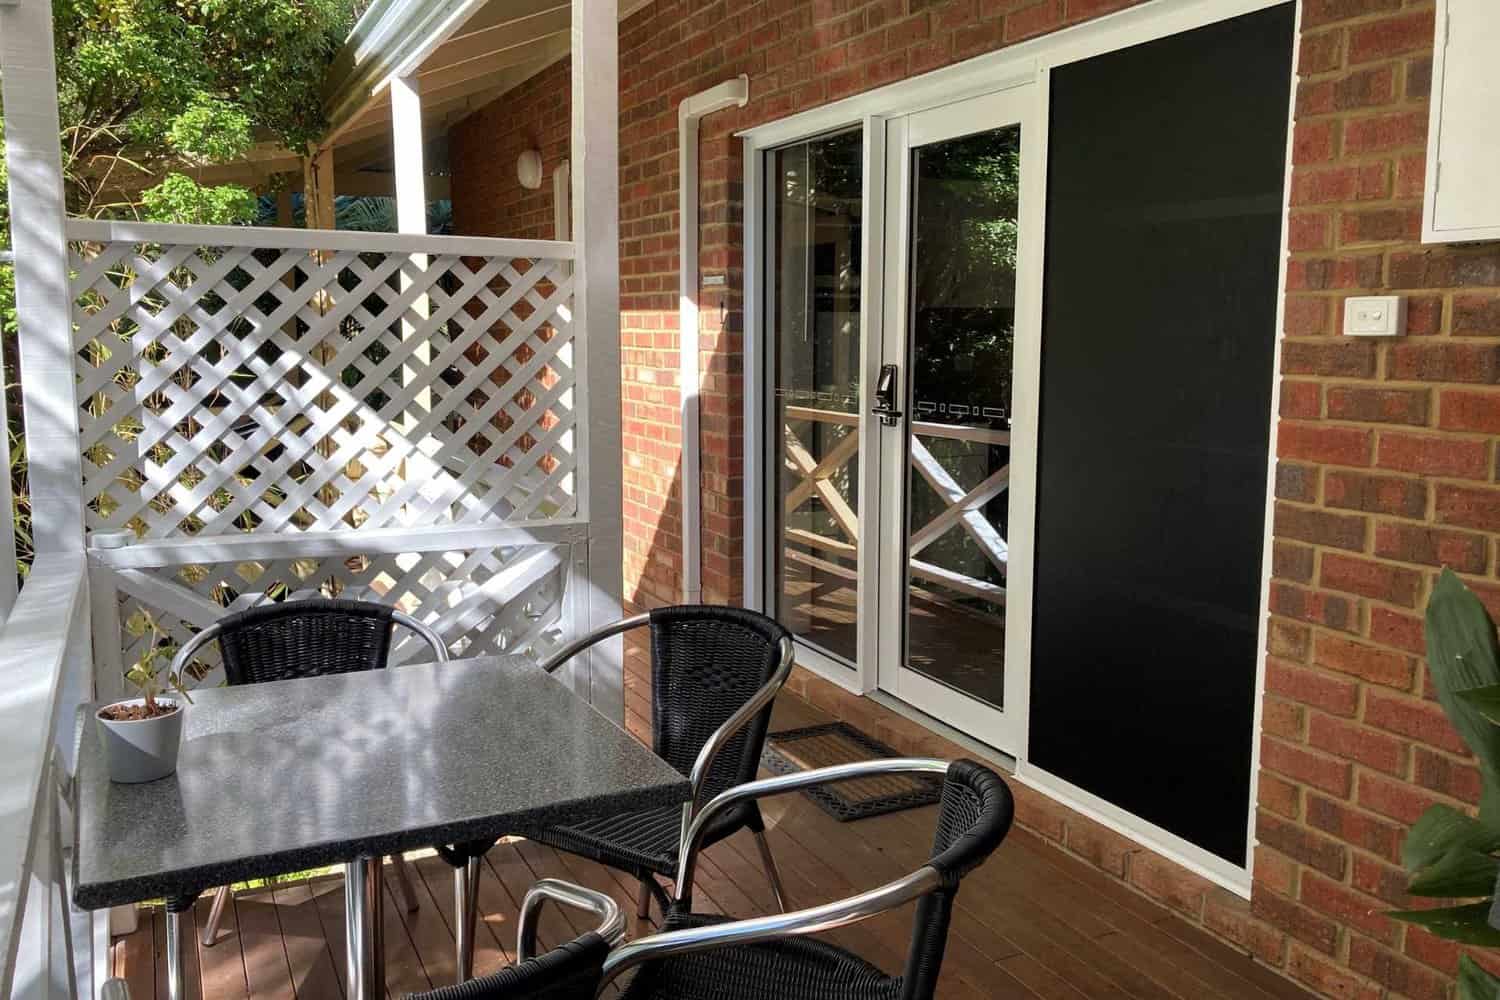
(818, 478)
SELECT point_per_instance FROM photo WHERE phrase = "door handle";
(885, 396)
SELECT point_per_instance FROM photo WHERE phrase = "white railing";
(50, 949)
(270, 412)
(963, 506)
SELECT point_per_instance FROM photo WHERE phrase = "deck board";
(1031, 924)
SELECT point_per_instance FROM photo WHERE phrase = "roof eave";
(391, 37)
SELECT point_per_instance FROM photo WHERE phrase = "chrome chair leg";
(773, 874)
(643, 901)
(403, 879)
(466, 912)
(215, 915)
(175, 988)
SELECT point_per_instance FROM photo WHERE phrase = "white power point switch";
(1375, 316)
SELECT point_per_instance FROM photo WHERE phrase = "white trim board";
(1264, 624)
(107, 231)
(1018, 64)
(1150, 836)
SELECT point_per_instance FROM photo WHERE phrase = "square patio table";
(290, 775)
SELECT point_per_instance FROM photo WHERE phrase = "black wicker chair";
(305, 638)
(714, 674)
(697, 957)
(710, 956)
(571, 971)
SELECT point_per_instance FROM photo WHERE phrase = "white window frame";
(1028, 61)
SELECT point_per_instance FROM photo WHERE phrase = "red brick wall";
(1385, 448)
(798, 54)
(488, 200)
(1385, 473)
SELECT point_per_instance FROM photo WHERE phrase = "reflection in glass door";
(952, 320)
(962, 318)
(813, 282)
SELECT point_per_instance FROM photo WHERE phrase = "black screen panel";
(1166, 168)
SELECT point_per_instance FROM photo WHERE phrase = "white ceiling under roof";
(463, 53)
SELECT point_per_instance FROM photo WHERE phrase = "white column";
(411, 171)
(595, 165)
(43, 300)
(411, 213)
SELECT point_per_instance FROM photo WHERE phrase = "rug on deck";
(810, 747)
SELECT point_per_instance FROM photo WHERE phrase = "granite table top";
(290, 775)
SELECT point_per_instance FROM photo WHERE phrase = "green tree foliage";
(159, 88)
(168, 85)
(149, 91)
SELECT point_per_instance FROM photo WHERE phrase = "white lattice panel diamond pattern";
(230, 389)
(485, 601)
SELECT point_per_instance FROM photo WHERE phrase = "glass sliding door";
(962, 331)
(951, 327)
(813, 306)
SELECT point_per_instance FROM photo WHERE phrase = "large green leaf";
(1442, 830)
(1463, 654)
(1468, 924)
(1474, 983)
(1485, 700)
(1459, 874)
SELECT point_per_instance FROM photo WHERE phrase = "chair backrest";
(706, 662)
(570, 971)
(974, 817)
(305, 638)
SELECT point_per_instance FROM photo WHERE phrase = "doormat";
(840, 743)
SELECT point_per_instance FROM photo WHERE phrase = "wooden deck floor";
(1031, 924)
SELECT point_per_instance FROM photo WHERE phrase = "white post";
(595, 166)
(562, 202)
(411, 209)
(411, 171)
(43, 300)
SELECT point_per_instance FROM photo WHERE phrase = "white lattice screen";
(232, 388)
(289, 386)
(486, 601)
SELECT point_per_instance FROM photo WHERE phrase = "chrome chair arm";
(751, 791)
(598, 635)
(186, 650)
(772, 928)
(424, 632)
(611, 919)
(206, 635)
(732, 725)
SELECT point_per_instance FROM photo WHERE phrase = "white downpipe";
(730, 93)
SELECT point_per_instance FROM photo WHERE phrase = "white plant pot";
(140, 750)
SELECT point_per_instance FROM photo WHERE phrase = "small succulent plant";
(151, 674)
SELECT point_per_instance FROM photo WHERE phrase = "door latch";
(885, 397)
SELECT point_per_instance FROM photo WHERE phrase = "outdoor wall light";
(529, 169)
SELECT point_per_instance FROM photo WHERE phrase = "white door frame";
(1015, 105)
(1026, 62)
